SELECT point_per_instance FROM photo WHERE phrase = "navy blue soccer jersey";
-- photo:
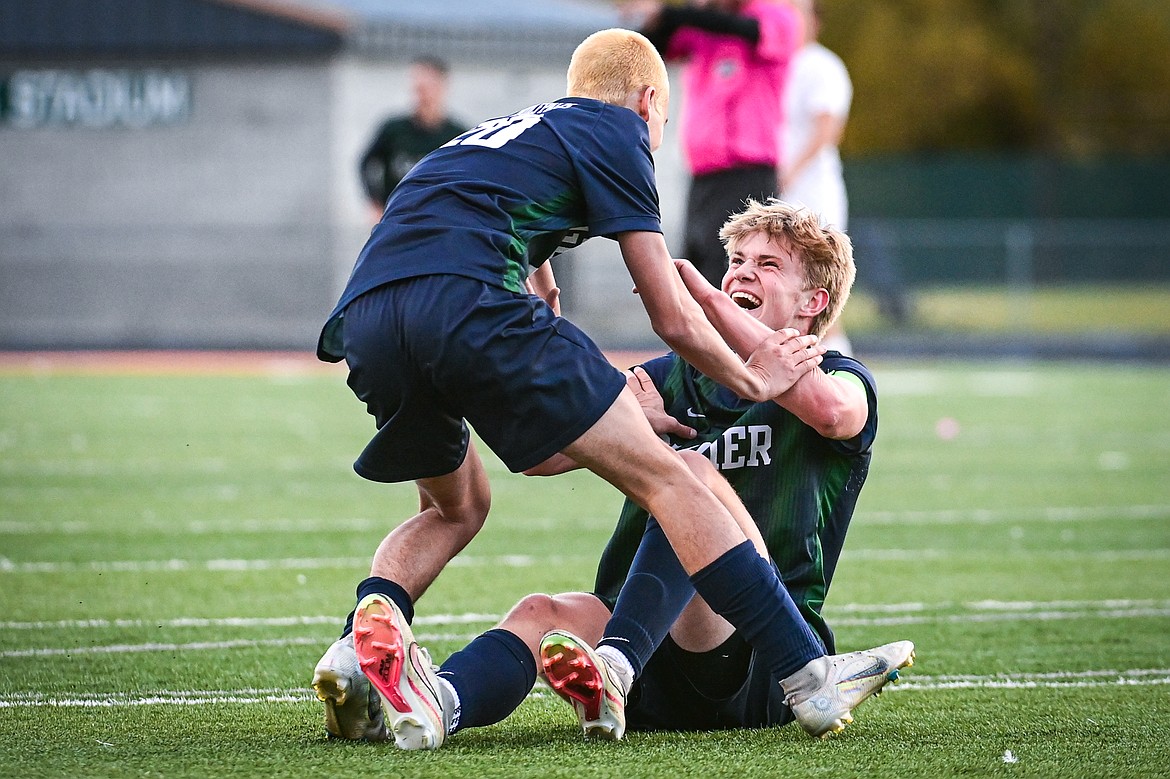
(799, 487)
(503, 197)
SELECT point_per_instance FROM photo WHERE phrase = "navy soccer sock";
(655, 592)
(745, 590)
(492, 675)
(376, 584)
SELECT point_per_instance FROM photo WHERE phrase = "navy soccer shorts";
(728, 687)
(427, 353)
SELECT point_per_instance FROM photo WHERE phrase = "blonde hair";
(610, 65)
(825, 254)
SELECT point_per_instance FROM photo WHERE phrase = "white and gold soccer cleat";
(353, 709)
(824, 693)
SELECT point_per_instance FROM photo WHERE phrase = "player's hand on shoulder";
(785, 357)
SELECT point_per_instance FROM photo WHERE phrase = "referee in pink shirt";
(736, 55)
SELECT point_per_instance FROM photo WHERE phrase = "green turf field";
(177, 551)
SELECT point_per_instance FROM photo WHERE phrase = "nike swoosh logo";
(692, 413)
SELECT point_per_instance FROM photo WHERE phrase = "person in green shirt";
(401, 141)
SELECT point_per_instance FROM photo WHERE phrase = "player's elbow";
(837, 423)
(679, 329)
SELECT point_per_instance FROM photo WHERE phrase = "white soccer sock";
(449, 699)
(619, 666)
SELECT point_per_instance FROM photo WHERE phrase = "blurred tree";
(1071, 78)
(1118, 91)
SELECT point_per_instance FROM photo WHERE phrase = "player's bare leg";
(580, 613)
(713, 480)
(623, 450)
(702, 529)
(452, 509)
(698, 628)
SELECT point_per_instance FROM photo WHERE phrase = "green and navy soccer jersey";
(500, 199)
(800, 488)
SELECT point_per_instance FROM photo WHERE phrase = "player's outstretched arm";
(742, 331)
(678, 320)
(835, 407)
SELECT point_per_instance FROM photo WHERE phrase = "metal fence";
(1019, 252)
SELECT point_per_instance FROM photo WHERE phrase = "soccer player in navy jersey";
(798, 462)
(442, 325)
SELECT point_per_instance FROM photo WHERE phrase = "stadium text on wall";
(97, 98)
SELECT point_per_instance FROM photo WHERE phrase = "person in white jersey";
(817, 97)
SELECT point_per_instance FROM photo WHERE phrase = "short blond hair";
(825, 254)
(610, 65)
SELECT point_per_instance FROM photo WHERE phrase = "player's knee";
(468, 512)
(543, 612)
(536, 607)
(700, 465)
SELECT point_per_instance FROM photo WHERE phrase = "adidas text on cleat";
(401, 672)
(353, 709)
(582, 678)
(824, 693)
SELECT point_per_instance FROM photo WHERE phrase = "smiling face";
(768, 280)
(786, 267)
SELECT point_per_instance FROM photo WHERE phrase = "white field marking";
(281, 564)
(902, 613)
(916, 383)
(164, 697)
(1016, 514)
(1027, 616)
(997, 605)
(117, 649)
(984, 611)
(240, 622)
(1069, 555)
(524, 561)
(1141, 677)
(198, 527)
(977, 516)
(1029, 605)
(1104, 678)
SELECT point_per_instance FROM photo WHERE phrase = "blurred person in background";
(817, 98)
(816, 106)
(736, 55)
(401, 141)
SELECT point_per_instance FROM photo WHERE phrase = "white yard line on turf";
(982, 611)
(9, 566)
(977, 516)
(889, 613)
(280, 564)
(1138, 677)
(245, 622)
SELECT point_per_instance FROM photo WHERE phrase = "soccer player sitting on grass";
(439, 329)
(798, 462)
